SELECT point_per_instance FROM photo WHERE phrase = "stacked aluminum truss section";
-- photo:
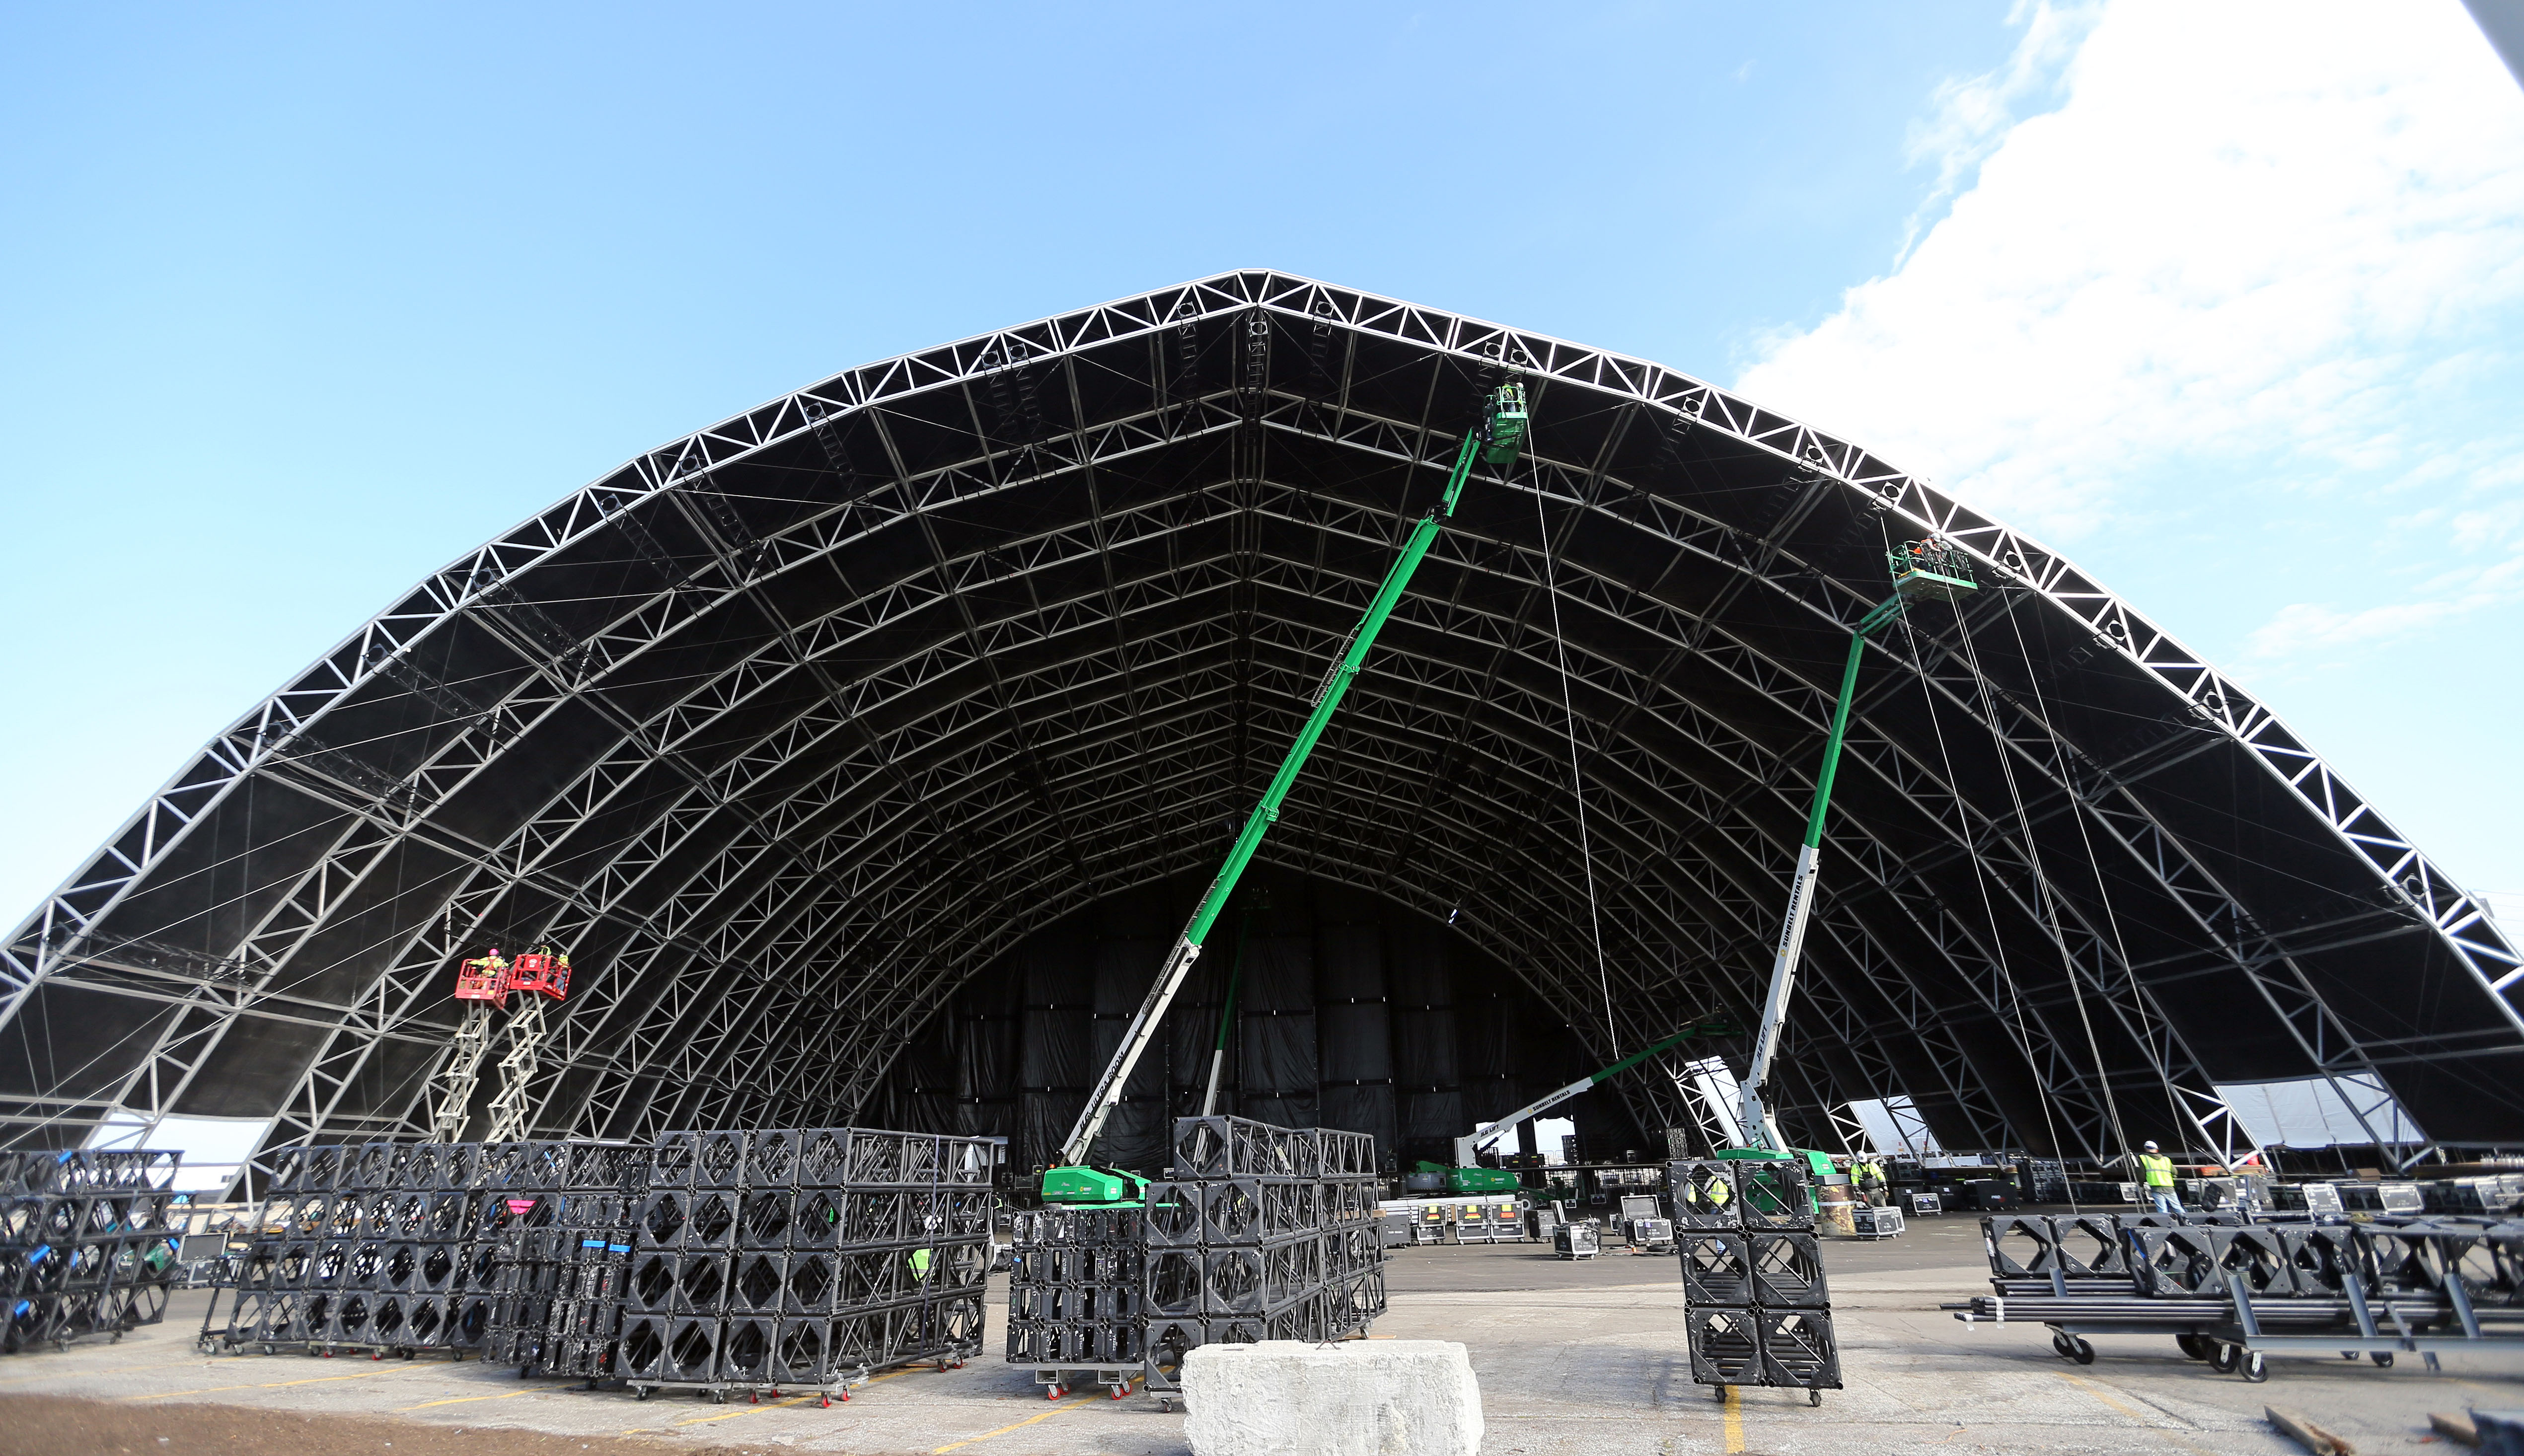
(375, 1246)
(1759, 1306)
(803, 1258)
(524, 1196)
(87, 1243)
(1077, 1292)
(1263, 1233)
(2230, 1293)
(578, 1261)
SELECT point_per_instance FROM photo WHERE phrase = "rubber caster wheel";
(1121, 1393)
(1718, 1393)
(718, 1397)
(639, 1392)
(2348, 1354)
(754, 1397)
(2382, 1358)
(1814, 1397)
(2194, 1347)
(2256, 1368)
(1166, 1407)
(2060, 1347)
(826, 1403)
(2081, 1349)
(2226, 1359)
(1053, 1392)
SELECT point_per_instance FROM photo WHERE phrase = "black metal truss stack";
(1077, 1293)
(805, 1258)
(1264, 1232)
(576, 1260)
(525, 1198)
(362, 1245)
(1759, 1306)
(2152, 1272)
(87, 1243)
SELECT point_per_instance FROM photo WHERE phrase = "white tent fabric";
(2313, 1112)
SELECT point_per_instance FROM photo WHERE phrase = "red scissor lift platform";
(484, 979)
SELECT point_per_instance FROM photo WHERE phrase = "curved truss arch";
(791, 726)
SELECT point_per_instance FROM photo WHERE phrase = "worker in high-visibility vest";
(1868, 1175)
(2156, 1170)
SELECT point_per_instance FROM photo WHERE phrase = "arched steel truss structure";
(787, 727)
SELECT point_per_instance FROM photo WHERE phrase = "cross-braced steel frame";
(787, 728)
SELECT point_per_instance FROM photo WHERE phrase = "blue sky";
(300, 302)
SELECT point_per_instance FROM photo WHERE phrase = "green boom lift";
(1496, 441)
(1928, 570)
(1467, 1176)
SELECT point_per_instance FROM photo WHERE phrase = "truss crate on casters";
(1757, 1305)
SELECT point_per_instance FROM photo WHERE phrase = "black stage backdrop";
(1351, 1012)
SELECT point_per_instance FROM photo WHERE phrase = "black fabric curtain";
(1349, 1012)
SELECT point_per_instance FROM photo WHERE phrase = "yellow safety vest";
(2157, 1169)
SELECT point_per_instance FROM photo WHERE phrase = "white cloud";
(2245, 242)
(1971, 115)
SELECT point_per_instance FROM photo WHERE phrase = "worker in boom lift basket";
(2156, 1171)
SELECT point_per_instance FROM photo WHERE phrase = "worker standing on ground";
(1870, 1176)
(2156, 1171)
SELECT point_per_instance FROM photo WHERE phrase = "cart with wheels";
(1058, 1381)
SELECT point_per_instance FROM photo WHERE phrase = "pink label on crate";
(520, 1205)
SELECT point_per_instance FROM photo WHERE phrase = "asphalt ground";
(1583, 1358)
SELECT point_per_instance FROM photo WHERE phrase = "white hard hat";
(2151, 1147)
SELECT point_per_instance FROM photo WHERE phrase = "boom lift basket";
(1933, 569)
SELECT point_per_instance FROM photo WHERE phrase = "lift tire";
(2256, 1367)
(2194, 1347)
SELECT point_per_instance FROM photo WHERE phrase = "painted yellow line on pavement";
(462, 1399)
(1071, 1404)
(1735, 1419)
(265, 1386)
(2097, 1391)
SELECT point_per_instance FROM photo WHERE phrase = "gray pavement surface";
(1573, 1358)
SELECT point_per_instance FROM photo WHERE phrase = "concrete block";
(1284, 1397)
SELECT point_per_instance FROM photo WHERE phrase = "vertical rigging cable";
(1980, 878)
(1577, 783)
(2042, 894)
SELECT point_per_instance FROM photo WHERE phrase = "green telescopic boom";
(1496, 441)
(1927, 570)
(1469, 1147)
